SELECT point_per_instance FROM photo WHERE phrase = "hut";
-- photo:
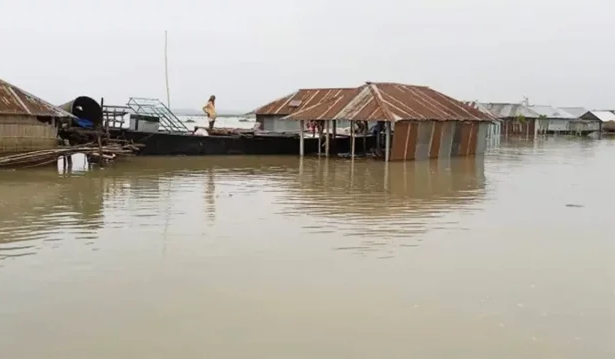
(418, 122)
(517, 118)
(606, 119)
(27, 123)
(552, 120)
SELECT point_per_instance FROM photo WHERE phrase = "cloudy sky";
(250, 52)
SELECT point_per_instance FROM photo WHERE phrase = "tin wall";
(514, 127)
(418, 140)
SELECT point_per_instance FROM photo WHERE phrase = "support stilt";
(327, 139)
(301, 138)
(387, 151)
(353, 137)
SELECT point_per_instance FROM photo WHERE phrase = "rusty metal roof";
(15, 101)
(477, 105)
(302, 99)
(389, 102)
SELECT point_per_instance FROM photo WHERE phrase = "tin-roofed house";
(552, 120)
(27, 123)
(517, 118)
(606, 119)
(420, 122)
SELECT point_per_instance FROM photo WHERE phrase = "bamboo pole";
(327, 139)
(166, 69)
(101, 158)
(387, 151)
(365, 132)
(352, 136)
(319, 128)
(301, 138)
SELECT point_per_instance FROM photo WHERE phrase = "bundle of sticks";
(45, 157)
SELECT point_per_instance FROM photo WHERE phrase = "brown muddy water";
(231, 257)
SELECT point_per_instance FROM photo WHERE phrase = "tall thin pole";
(166, 69)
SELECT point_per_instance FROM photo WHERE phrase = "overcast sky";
(250, 52)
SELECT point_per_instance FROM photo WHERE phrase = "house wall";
(418, 140)
(558, 125)
(26, 133)
(494, 129)
(514, 127)
(277, 124)
(583, 126)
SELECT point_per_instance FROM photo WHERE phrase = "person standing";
(210, 111)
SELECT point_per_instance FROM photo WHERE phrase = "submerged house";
(552, 120)
(518, 119)
(27, 123)
(420, 122)
(606, 119)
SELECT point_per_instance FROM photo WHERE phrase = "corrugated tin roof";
(604, 116)
(300, 100)
(15, 101)
(575, 111)
(477, 105)
(552, 112)
(506, 110)
(390, 102)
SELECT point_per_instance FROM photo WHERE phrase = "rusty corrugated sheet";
(15, 101)
(477, 105)
(418, 140)
(390, 102)
(302, 99)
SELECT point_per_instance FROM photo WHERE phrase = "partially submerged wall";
(418, 140)
(26, 133)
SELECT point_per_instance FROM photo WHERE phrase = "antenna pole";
(166, 69)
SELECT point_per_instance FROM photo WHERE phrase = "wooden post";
(387, 150)
(365, 132)
(327, 138)
(105, 119)
(386, 177)
(319, 128)
(334, 129)
(301, 137)
(351, 174)
(101, 158)
(378, 139)
(166, 69)
(352, 137)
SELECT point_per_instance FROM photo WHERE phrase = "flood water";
(507, 256)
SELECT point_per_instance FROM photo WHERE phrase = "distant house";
(606, 119)
(517, 118)
(27, 123)
(553, 120)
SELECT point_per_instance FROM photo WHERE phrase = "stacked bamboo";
(45, 157)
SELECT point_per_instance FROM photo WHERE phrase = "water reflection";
(43, 205)
(384, 201)
(395, 200)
